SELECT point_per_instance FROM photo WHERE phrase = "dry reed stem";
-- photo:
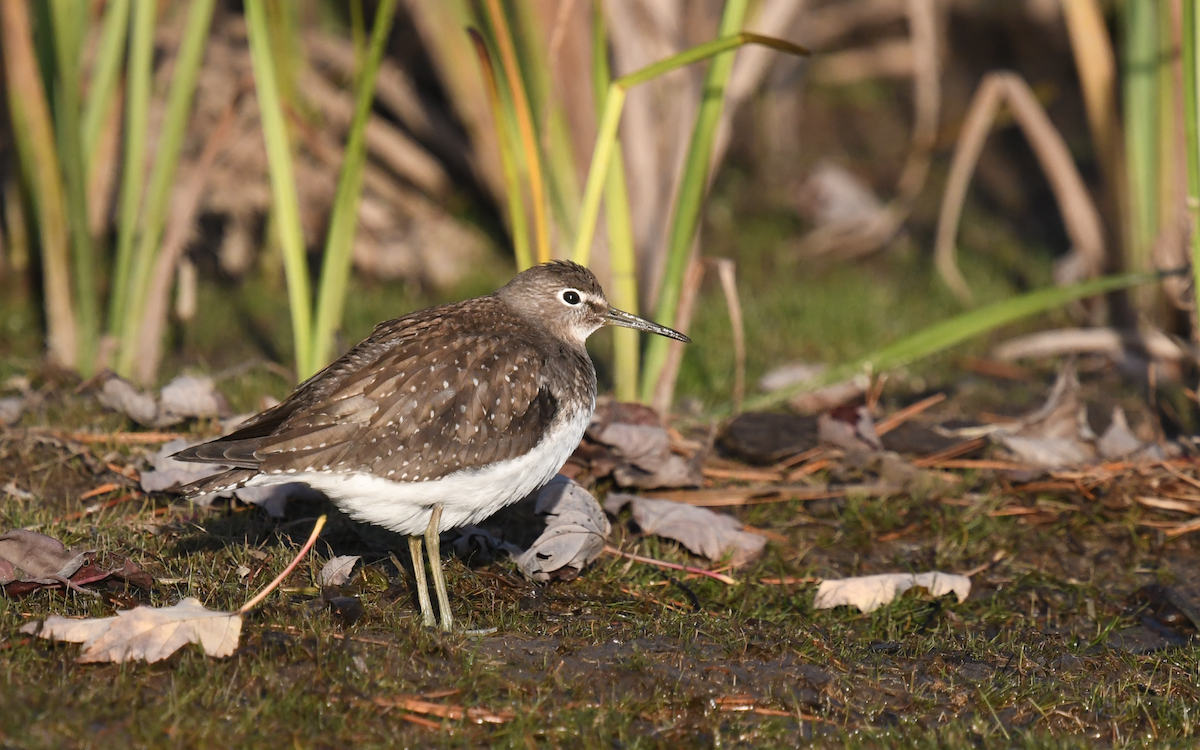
(1079, 213)
(727, 273)
(664, 390)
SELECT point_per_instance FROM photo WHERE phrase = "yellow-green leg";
(418, 561)
(433, 546)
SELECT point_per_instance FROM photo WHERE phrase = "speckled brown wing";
(437, 401)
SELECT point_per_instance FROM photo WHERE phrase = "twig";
(954, 451)
(95, 508)
(312, 539)
(120, 438)
(670, 566)
(895, 420)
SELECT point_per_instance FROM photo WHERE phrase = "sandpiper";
(440, 417)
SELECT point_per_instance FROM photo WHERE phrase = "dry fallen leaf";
(575, 530)
(145, 633)
(1118, 441)
(646, 460)
(119, 394)
(28, 556)
(337, 571)
(712, 535)
(869, 593)
(190, 396)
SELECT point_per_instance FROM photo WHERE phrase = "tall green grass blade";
(34, 134)
(1191, 124)
(507, 142)
(621, 252)
(693, 186)
(1141, 113)
(554, 135)
(162, 175)
(610, 121)
(133, 175)
(106, 73)
(343, 223)
(943, 335)
(67, 17)
(285, 202)
(525, 128)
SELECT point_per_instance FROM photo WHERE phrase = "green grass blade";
(621, 252)
(506, 141)
(67, 17)
(162, 176)
(610, 120)
(34, 134)
(106, 73)
(689, 201)
(943, 335)
(285, 203)
(528, 137)
(335, 272)
(137, 107)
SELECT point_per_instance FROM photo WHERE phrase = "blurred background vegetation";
(203, 183)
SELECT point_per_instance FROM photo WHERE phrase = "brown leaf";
(145, 633)
(28, 556)
(702, 531)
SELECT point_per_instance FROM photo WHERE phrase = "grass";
(619, 657)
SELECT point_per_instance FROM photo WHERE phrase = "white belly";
(466, 497)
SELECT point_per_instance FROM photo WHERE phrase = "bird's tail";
(226, 481)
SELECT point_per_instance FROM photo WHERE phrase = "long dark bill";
(628, 320)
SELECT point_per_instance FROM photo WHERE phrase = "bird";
(440, 417)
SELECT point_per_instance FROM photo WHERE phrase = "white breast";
(467, 496)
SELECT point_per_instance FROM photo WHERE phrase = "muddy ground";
(1079, 629)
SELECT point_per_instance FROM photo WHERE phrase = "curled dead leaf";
(575, 530)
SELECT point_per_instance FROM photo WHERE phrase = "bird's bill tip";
(628, 320)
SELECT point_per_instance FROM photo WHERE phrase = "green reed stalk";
(34, 135)
(528, 137)
(1141, 114)
(1191, 123)
(343, 223)
(133, 174)
(622, 254)
(690, 199)
(285, 203)
(506, 139)
(610, 121)
(67, 17)
(162, 176)
(106, 73)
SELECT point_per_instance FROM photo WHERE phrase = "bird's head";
(566, 298)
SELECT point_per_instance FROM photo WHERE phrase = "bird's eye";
(571, 297)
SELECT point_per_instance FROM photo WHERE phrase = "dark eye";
(571, 297)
